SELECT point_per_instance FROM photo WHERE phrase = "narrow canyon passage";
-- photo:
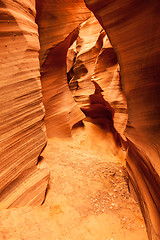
(88, 196)
(62, 63)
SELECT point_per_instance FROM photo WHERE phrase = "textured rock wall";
(58, 23)
(107, 76)
(23, 181)
(133, 28)
(87, 48)
(22, 131)
(92, 59)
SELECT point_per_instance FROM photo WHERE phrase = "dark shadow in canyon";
(101, 113)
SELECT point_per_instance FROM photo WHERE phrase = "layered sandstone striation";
(107, 76)
(80, 76)
(22, 133)
(91, 59)
(58, 28)
(137, 47)
(86, 47)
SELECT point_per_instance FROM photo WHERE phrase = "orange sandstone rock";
(94, 59)
(58, 23)
(61, 110)
(88, 46)
(22, 131)
(133, 28)
(107, 76)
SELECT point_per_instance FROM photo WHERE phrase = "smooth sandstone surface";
(22, 131)
(58, 23)
(107, 75)
(133, 28)
(92, 58)
(87, 47)
(95, 83)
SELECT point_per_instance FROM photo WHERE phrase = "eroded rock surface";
(92, 59)
(107, 76)
(87, 47)
(22, 131)
(58, 28)
(133, 29)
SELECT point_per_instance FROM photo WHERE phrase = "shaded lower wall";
(133, 28)
(23, 181)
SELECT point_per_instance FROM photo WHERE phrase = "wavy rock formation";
(92, 58)
(107, 75)
(58, 28)
(22, 131)
(133, 29)
(87, 47)
(102, 114)
(92, 71)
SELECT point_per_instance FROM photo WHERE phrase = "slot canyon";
(80, 120)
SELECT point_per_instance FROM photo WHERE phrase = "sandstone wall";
(87, 48)
(58, 23)
(94, 60)
(133, 28)
(22, 131)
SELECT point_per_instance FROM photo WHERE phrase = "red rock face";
(107, 76)
(58, 28)
(91, 60)
(87, 47)
(95, 84)
(102, 114)
(22, 131)
(133, 28)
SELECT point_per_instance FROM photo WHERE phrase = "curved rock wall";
(107, 75)
(58, 28)
(87, 47)
(133, 28)
(22, 131)
(92, 59)
(23, 181)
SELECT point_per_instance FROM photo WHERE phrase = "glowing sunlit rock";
(133, 29)
(22, 131)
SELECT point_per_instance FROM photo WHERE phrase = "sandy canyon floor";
(88, 196)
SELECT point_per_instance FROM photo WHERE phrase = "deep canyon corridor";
(80, 120)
